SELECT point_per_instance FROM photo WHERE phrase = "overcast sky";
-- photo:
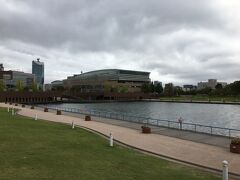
(179, 41)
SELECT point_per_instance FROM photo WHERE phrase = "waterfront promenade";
(184, 150)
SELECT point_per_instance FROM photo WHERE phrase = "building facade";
(189, 87)
(38, 71)
(11, 78)
(211, 83)
(108, 80)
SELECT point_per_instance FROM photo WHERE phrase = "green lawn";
(32, 149)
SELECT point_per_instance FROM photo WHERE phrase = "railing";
(193, 127)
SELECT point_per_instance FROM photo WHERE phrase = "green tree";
(2, 85)
(19, 85)
(158, 88)
(34, 87)
(146, 88)
(218, 86)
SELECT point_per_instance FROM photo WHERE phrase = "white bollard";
(36, 118)
(225, 170)
(12, 112)
(73, 125)
(8, 109)
(111, 140)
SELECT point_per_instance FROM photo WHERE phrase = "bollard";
(8, 109)
(73, 125)
(36, 118)
(12, 111)
(111, 140)
(225, 170)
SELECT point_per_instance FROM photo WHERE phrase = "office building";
(38, 71)
(11, 78)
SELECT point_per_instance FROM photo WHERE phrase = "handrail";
(147, 120)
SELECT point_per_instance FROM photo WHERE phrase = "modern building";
(1, 67)
(11, 78)
(211, 83)
(108, 80)
(189, 87)
(38, 71)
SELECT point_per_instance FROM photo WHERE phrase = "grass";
(45, 150)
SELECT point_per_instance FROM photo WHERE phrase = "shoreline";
(143, 100)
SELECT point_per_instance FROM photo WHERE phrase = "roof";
(116, 70)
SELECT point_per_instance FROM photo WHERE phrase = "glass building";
(38, 71)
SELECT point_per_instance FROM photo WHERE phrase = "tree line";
(232, 89)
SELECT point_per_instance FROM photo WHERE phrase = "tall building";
(38, 71)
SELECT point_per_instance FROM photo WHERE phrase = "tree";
(169, 89)
(218, 86)
(146, 87)
(19, 85)
(159, 88)
(34, 87)
(2, 86)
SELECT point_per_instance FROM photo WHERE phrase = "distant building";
(1, 67)
(211, 83)
(155, 83)
(108, 80)
(47, 87)
(10, 79)
(38, 71)
(189, 87)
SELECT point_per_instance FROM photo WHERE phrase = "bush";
(235, 141)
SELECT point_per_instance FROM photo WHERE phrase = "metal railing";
(193, 127)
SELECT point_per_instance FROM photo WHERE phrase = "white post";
(225, 170)
(111, 140)
(12, 111)
(73, 125)
(36, 118)
(8, 109)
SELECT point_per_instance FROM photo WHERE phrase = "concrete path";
(214, 140)
(183, 150)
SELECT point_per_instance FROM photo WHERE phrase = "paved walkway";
(214, 140)
(184, 150)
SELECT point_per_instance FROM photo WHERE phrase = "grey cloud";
(177, 40)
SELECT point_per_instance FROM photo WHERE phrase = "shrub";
(235, 141)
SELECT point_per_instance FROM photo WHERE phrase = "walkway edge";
(209, 169)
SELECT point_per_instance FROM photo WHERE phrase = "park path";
(183, 150)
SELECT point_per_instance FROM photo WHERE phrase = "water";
(227, 116)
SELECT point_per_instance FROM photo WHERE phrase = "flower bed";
(59, 112)
(87, 118)
(235, 145)
(146, 130)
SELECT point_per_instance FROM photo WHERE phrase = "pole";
(73, 125)
(8, 109)
(12, 111)
(225, 170)
(111, 140)
(36, 118)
